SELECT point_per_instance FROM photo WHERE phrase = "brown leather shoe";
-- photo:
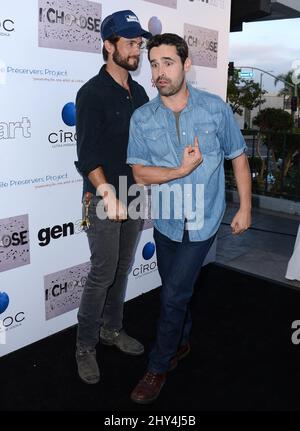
(148, 389)
(181, 353)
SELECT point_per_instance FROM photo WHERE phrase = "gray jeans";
(112, 245)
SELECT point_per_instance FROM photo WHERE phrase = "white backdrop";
(48, 49)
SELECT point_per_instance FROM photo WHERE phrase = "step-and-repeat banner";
(48, 50)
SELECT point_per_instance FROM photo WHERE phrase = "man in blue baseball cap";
(104, 106)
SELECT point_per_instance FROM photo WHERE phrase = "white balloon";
(155, 25)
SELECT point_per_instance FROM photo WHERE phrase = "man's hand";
(241, 221)
(113, 207)
(192, 158)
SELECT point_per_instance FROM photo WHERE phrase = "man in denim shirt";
(178, 141)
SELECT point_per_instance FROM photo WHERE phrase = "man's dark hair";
(169, 39)
(113, 39)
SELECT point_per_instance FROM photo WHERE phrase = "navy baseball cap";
(123, 23)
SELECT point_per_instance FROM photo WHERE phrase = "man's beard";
(170, 89)
(124, 62)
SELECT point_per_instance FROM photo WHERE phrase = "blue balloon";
(148, 250)
(4, 301)
(69, 114)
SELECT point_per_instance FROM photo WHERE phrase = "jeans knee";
(100, 278)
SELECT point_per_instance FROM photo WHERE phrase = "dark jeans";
(112, 245)
(179, 264)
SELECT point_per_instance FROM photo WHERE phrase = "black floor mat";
(242, 356)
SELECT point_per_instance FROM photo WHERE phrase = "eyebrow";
(134, 39)
(163, 58)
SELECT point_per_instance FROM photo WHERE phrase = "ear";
(187, 64)
(110, 48)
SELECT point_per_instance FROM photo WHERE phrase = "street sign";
(246, 74)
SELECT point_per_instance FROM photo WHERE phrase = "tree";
(287, 90)
(273, 120)
(277, 126)
(243, 93)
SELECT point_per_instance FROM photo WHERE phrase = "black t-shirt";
(103, 111)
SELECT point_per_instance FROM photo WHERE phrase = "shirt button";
(183, 133)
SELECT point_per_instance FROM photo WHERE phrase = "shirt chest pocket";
(206, 134)
(157, 142)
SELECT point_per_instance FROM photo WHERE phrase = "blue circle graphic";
(148, 250)
(4, 301)
(68, 114)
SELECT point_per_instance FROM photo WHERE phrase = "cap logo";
(131, 18)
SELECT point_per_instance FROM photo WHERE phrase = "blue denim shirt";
(153, 141)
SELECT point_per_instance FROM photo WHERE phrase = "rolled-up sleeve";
(230, 136)
(89, 131)
(137, 151)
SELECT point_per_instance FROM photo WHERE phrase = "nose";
(161, 72)
(137, 48)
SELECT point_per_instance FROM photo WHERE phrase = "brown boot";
(148, 389)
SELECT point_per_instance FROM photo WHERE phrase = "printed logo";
(144, 269)
(72, 25)
(69, 114)
(203, 45)
(36, 73)
(132, 18)
(4, 301)
(14, 242)
(38, 182)
(15, 129)
(63, 289)
(64, 138)
(7, 26)
(148, 250)
(46, 234)
(8, 321)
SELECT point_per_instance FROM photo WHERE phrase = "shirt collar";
(109, 80)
